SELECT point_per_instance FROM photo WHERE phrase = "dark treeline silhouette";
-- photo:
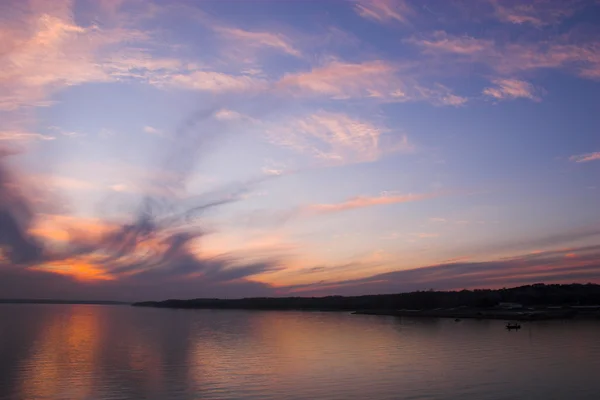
(529, 296)
(59, 301)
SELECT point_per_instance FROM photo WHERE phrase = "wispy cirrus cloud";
(271, 218)
(442, 42)
(269, 40)
(365, 201)
(547, 267)
(538, 13)
(384, 10)
(336, 138)
(378, 79)
(511, 89)
(13, 136)
(48, 51)
(563, 52)
(216, 82)
(585, 157)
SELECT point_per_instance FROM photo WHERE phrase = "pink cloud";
(443, 42)
(260, 40)
(365, 201)
(212, 81)
(564, 52)
(336, 138)
(538, 13)
(371, 79)
(585, 157)
(342, 80)
(23, 136)
(384, 10)
(511, 89)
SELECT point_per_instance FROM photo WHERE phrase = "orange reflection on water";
(295, 347)
(68, 350)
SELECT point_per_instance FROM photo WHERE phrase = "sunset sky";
(185, 148)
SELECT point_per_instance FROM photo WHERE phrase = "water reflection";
(107, 352)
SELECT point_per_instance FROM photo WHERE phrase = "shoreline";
(528, 315)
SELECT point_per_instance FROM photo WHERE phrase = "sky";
(184, 149)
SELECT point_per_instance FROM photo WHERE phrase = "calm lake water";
(122, 352)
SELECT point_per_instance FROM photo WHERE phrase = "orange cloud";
(365, 201)
(511, 89)
(61, 228)
(77, 268)
(384, 10)
(585, 157)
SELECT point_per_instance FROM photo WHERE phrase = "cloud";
(442, 42)
(511, 89)
(47, 51)
(562, 52)
(259, 40)
(438, 219)
(553, 266)
(585, 157)
(424, 235)
(538, 13)
(384, 10)
(71, 134)
(335, 138)
(151, 130)
(216, 82)
(23, 136)
(365, 201)
(343, 80)
(225, 114)
(17, 246)
(370, 79)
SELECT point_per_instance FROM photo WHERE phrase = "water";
(121, 352)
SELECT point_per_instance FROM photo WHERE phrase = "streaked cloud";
(585, 157)
(336, 138)
(366, 201)
(216, 82)
(511, 89)
(562, 52)
(23, 136)
(245, 38)
(371, 79)
(426, 235)
(385, 10)
(538, 13)
(225, 114)
(549, 267)
(442, 42)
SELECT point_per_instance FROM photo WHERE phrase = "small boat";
(510, 326)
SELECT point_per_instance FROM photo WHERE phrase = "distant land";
(538, 301)
(58, 301)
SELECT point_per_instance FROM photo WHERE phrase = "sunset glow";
(162, 149)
